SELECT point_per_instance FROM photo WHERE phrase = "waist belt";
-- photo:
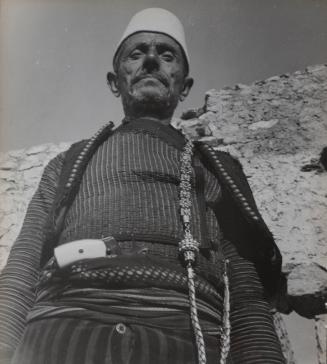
(116, 266)
(209, 266)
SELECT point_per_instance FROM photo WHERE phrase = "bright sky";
(55, 55)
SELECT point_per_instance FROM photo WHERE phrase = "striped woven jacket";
(237, 208)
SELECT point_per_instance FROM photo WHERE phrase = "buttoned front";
(121, 328)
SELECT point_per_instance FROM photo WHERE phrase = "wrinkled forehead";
(148, 39)
(145, 40)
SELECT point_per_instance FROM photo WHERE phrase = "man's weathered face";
(151, 74)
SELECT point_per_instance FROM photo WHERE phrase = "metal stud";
(236, 191)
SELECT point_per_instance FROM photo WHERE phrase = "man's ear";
(112, 82)
(188, 83)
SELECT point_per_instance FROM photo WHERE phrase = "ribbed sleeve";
(18, 278)
(253, 336)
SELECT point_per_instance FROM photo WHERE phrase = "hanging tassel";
(194, 317)
(189, 247)
(225, 336)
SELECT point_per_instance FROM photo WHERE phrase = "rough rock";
(278, 130)
(20, 172)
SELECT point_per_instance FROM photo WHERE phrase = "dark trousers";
(73, 341)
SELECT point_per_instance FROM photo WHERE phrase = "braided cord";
(189, 247)
(226, 329)
(194, 316)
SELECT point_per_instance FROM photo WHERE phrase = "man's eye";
(135, 54)
(167, 56)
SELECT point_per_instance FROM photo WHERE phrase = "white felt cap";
(156, 20)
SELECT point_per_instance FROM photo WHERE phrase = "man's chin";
(147, 100)
(150, 95)
(150, 104)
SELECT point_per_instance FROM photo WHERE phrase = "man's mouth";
(150, 78)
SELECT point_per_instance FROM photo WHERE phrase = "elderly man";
(140, 246)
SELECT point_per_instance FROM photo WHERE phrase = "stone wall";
(20, 172)
(277, 128)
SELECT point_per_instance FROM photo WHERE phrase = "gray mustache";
(157, 76)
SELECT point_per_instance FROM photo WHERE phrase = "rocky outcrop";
(20, 172)
(278, 130)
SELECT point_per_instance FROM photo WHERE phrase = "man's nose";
(151, 61)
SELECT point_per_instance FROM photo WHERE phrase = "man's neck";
(163, 121)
